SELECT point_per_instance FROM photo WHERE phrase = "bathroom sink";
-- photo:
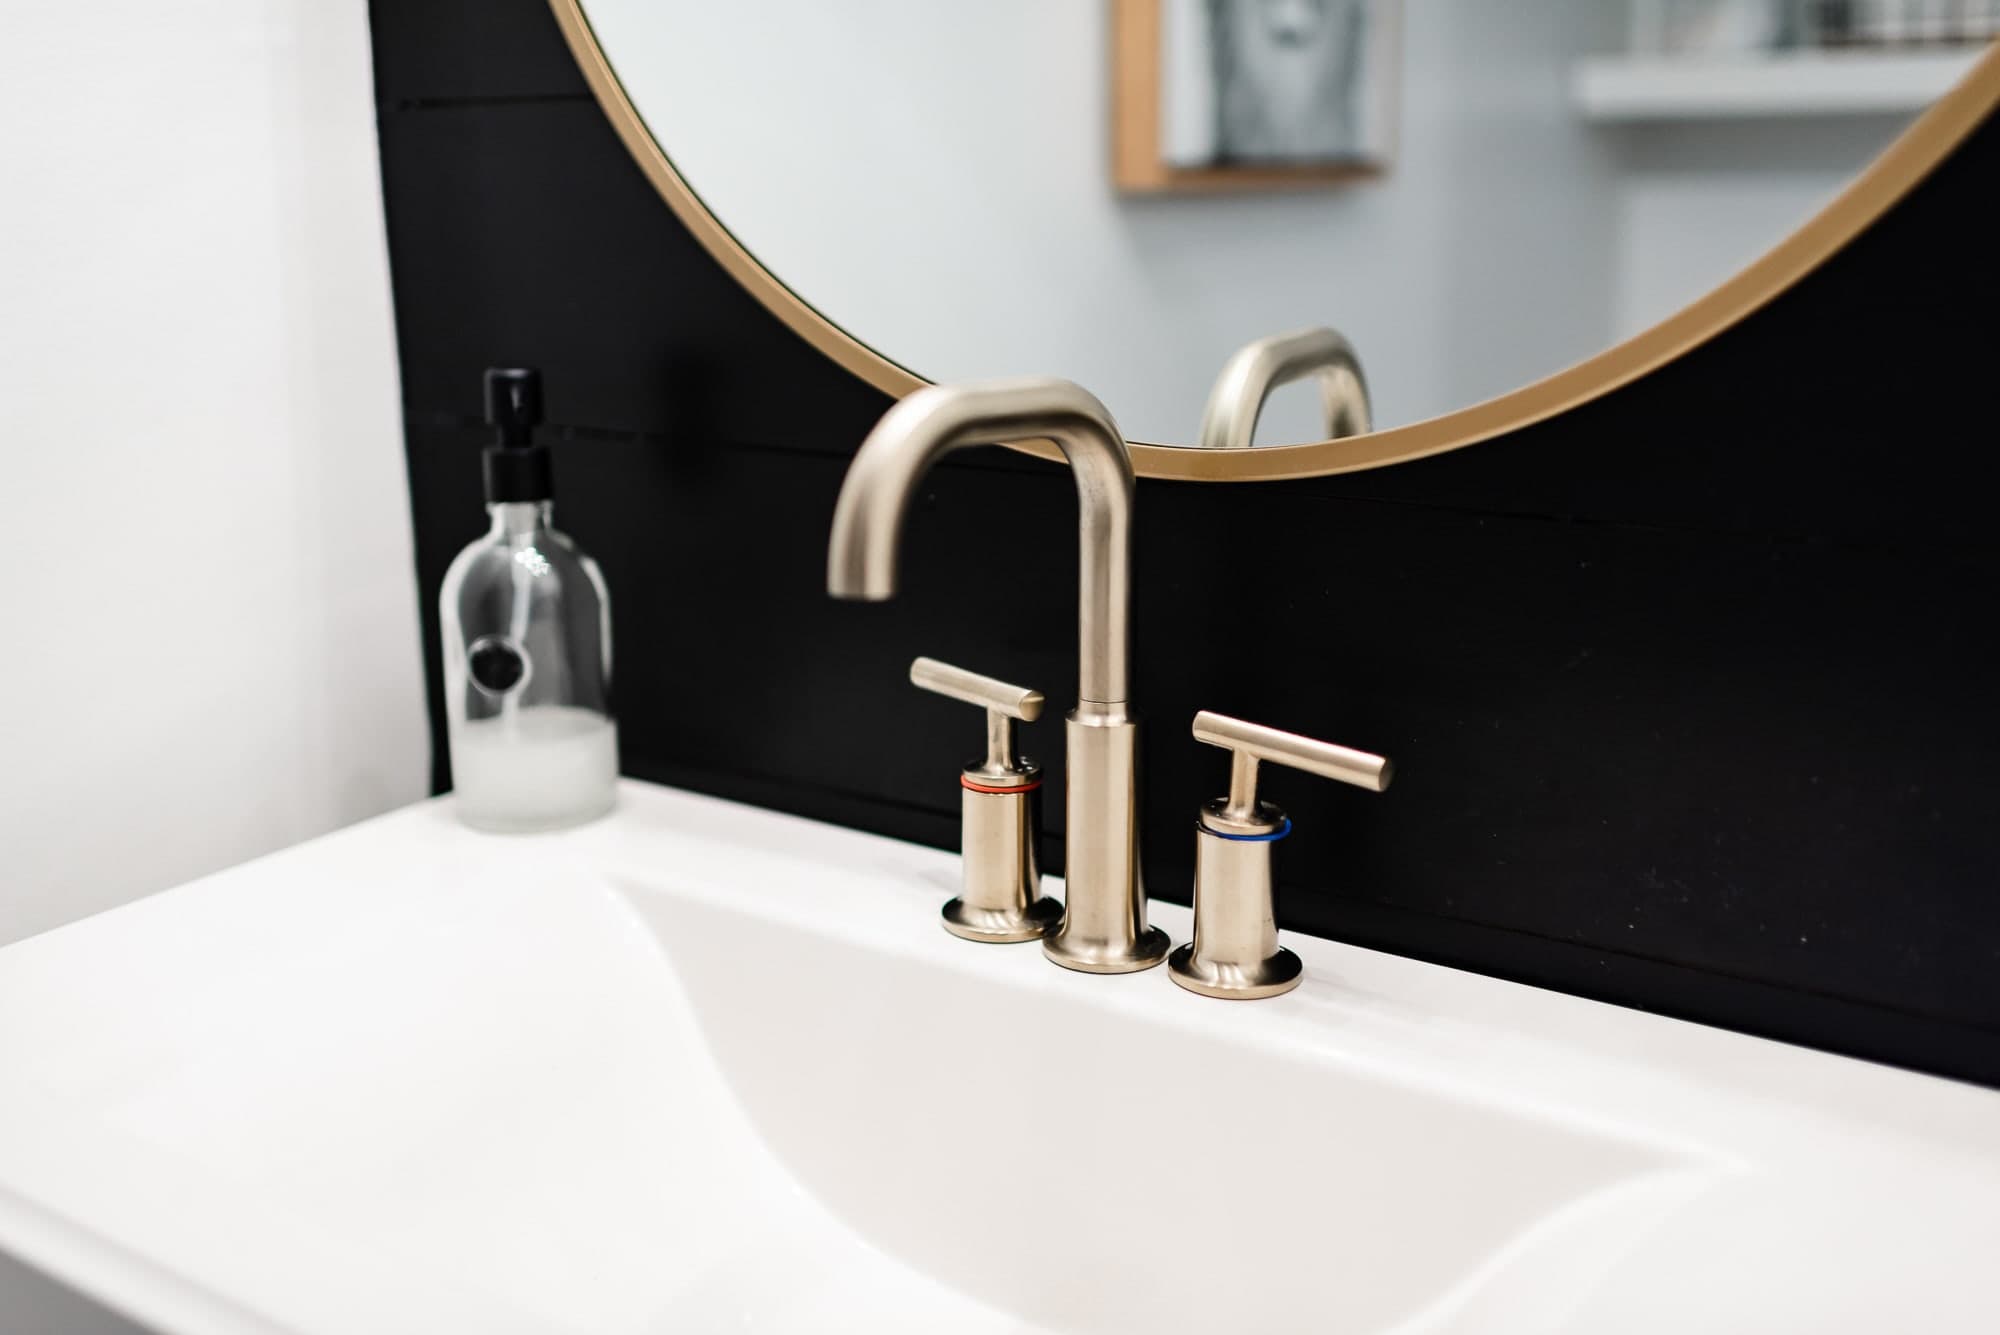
(700, 1067)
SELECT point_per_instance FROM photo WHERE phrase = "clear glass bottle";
(527, 646)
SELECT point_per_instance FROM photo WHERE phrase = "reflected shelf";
(1621, 88)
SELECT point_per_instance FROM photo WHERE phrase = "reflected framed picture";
(1252, 94)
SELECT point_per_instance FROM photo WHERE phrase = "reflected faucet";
(1104, 927)
(1230, 420)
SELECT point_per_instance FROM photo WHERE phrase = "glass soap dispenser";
(527, 645)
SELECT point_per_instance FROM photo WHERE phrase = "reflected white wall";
(1695, 201)
(936, 179)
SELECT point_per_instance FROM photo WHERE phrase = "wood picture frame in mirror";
(1225, 95)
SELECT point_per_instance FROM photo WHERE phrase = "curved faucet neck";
(868, 519)
(1229, 422)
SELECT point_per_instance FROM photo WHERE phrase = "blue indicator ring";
(1271, 838)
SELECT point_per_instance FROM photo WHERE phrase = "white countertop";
(703, 1067)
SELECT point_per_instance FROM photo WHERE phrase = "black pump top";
(516, 468)
(514, 403)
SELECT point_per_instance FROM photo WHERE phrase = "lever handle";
(1003, 702)
(1000, 811)
(1253, 742)
(990, 693)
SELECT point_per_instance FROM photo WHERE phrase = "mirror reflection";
(1470, 196)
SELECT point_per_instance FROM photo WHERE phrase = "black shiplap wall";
(1691, 690)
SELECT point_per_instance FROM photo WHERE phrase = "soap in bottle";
(527, 645)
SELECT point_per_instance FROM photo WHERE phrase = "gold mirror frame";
(1927, 141)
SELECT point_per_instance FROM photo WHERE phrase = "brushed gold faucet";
(1249, 376)
(1104, 928)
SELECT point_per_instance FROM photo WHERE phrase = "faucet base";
(1104, 922)
(1236, 982)
(1032, 923)
(1086, 956)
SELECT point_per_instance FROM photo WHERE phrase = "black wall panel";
(1690, 690)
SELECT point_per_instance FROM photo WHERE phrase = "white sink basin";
(701, 1068)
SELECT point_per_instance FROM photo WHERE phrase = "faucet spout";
(1237, 399)
(1104, 927)
(868, 519)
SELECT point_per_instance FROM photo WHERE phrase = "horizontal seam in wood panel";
(1011, 464)
(482, 100)
(809, 788)
(1846, 544)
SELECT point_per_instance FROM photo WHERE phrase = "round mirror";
(1503, 209)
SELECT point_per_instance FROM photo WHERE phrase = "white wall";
(210, 644)
(936, 179)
